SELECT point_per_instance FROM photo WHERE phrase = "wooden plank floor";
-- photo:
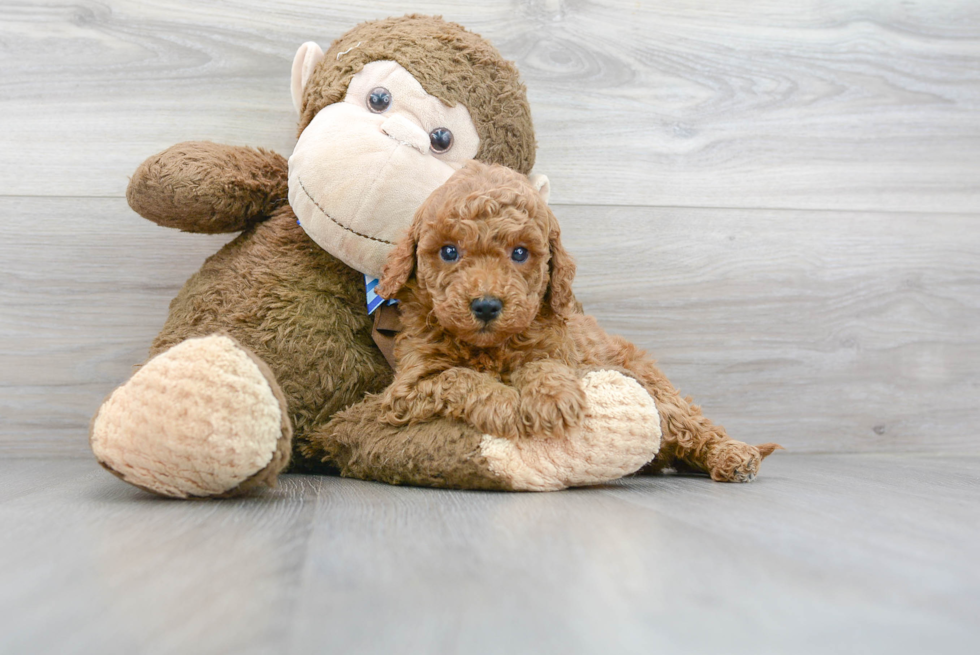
(832, 553)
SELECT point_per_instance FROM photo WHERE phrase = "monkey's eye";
(379, 99)
(440, 139)
(519, 254)
(449, 254)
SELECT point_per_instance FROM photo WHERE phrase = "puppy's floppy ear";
(400, 265)
(562, 272)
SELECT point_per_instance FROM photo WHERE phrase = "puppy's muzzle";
(487, 308)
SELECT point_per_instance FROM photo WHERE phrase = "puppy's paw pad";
(739, 475)
(735, 462)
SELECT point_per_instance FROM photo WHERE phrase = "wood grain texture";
(842, 554)
(84, 287)
(823, 331)
(824, 105)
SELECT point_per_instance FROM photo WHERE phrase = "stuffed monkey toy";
(267, 359)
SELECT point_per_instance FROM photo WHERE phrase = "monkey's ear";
(306, 59)
(400, 265)
(562, 272)
(542, 185)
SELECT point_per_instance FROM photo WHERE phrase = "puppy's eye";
(379, 99)
(449, 254)
(519, 254)
(440, 139)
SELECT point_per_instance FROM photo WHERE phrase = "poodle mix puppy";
(492, 333)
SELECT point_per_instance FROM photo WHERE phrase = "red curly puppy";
(493, 335)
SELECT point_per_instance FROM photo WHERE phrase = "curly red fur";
(518, 374)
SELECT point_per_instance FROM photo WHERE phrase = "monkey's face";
(364, 165)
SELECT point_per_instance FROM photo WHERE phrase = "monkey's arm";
(198, 186)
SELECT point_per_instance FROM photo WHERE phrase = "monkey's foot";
(619, 434)
(205, 418)
(734, 461)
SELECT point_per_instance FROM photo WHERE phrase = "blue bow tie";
(373, 300)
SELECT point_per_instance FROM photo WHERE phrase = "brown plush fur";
(517, 375)
(452, 64)
(209, 188)
(442, 453)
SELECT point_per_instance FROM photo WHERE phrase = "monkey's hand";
(552, 398)
(198, 186)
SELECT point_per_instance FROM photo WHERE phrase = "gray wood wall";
(780, 199)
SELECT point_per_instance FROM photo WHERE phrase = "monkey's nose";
(486, 308)
(405, 131)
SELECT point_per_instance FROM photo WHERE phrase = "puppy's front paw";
(492, 408)
(552, 407)
(734, 461)
(395, 410)
(499, 418)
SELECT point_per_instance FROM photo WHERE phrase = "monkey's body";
(294, 306)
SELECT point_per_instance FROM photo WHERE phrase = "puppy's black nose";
(486, 308)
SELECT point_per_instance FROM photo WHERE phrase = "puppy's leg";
(694, 440)
(687, 435)
(477, 398)
(552, 398)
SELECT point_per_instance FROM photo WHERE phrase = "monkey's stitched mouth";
(334, 220)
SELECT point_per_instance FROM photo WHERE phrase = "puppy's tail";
(767, 449)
